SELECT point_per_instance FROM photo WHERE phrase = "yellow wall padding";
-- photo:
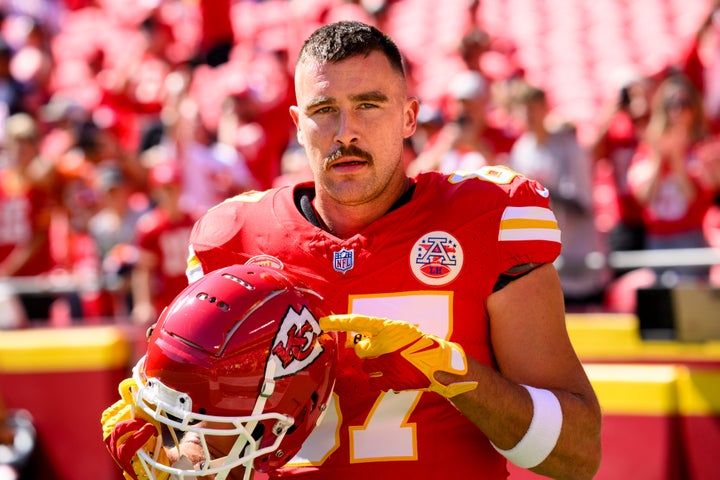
(659, 390)
(635, 389)
(699, 391)
(63, 349)
(616, 337)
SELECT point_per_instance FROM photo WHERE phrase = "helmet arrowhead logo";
(295, 344)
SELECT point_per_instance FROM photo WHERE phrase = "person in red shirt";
(469, 139)
(447, 278)
(612, 151)
(161, 239)
(25, 213)
(667, 173)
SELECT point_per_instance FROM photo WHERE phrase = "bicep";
(529, 336)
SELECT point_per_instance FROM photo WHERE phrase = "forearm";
(143, 310)
(646, 186)
(503, 410)
(140, 285)
(19, 257)
(685, 183)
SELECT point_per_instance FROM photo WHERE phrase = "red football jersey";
(669, 211)
(25, 212)
(432, 262)
(167, 240)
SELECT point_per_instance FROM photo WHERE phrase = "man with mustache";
(454, 355)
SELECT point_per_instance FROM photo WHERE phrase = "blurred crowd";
(123, 121)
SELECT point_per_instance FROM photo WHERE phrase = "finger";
(130, 426)
(392, 337)
(353, 322)
(116, 413)
(132, 439)
(125, 388)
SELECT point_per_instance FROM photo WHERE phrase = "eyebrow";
(372, 96)
(375, 96)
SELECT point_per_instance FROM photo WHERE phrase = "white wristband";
(543, 432)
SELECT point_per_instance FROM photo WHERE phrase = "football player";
(236, 375)
(454, 354)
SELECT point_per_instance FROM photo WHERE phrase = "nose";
(346, 133)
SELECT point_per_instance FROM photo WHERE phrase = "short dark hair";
(338, 41)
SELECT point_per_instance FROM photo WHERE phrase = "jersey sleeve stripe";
(517, 223)
(528, 213)
(520, 234)
(193, 271)
(528, 223)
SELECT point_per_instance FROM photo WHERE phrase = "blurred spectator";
(133, 82)
(666, 173)
(429, 122)
(612, 151)
(25, 212)
(211, 170)
(552, 155)
(62, 118)
(669, 177)
(112, 228)
(11, 90)
(254, 119)
(114, 222)
(32, 63)
(295, 167)
(701, 64)
(468, 140)
(161, 239)
(473, 45)
(217, 32)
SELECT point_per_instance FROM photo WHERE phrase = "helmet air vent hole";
(223, 306)
(239, 280)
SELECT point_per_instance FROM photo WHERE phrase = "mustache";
(348, 151)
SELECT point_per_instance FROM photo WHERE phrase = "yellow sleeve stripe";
(528, 223)
(519, 223)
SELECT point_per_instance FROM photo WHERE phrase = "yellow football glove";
(399, 356)
(124, 433)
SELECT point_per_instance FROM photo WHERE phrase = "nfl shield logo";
(343, 260)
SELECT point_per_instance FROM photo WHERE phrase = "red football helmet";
(238, 362)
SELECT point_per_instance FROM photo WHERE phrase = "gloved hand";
(399, 356)
(124, 434)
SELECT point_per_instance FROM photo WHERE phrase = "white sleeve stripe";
(520, 234)
(528, 213)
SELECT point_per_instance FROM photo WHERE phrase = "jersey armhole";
(513, 274)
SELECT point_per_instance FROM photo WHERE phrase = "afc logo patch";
(296, 344)
(436, 258)
(343, 260)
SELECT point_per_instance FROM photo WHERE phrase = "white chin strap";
(266, 391)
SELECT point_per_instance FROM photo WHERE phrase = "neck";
(344, 221)
(541, 134)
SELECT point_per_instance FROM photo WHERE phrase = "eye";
(322, 110)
